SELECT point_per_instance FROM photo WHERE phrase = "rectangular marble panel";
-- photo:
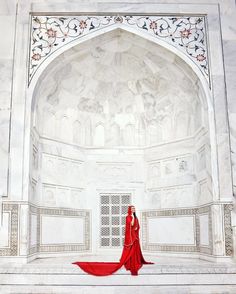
(177, 230)
(4, 230)
(201, 164)
(61, 230)
(204, 229)
(55, 170)
(204, 196)
(33, 239)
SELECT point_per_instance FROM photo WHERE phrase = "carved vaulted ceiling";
(121, 77)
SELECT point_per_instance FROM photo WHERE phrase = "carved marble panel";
(61, 170)
(115, 171)
(62, 196)
(177, 165)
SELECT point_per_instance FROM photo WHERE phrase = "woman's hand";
(132, 222)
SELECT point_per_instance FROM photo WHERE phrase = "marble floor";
(167, 275)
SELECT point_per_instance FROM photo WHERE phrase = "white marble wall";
(172, 230)
(208, 174)
(161, 177)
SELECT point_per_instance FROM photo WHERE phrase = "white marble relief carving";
(115, 171)
(49, 196)
(176, 196)
(121, 105)
(55, 171)
(176, 170)
(59, 196)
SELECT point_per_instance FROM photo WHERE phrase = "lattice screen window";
(113, 212)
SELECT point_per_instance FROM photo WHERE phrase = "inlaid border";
(43, 211)
(195, 212)
(228, 229)
(11, 250)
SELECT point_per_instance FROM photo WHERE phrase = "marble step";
(163, 289)
(167, 275)
(148, 275)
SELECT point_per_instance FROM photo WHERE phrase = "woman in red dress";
(131, 257)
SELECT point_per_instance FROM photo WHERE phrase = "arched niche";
(128, 79)
(123, 85)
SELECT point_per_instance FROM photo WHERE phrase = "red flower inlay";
(201, 57)
(51, 33)
(153, 25)
(83, 24)
(185, 33)
(36, 56)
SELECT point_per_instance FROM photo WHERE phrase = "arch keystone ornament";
(185, 33)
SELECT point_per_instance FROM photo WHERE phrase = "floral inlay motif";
(186, 33)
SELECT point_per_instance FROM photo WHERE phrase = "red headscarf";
(129, 210)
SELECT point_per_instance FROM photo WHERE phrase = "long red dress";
(132, 257)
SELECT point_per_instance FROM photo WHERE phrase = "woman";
(131, 257)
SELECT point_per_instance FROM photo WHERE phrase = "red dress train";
(132, 257)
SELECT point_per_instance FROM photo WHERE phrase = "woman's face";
(133, 209)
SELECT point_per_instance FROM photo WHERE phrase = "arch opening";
(120, 111)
